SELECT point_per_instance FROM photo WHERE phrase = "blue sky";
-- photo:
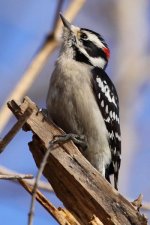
(23, 28)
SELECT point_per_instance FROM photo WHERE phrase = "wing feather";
(108, 102)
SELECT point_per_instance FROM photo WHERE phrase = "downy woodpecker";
(83, 100)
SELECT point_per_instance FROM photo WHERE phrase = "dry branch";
(37, 179)
(45, 186)
(83, 191)
(41, 185)
(16, 177)
(9, 136)
(59, 214)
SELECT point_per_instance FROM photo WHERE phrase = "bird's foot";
(79, 140)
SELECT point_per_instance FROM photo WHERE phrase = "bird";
(82, 99)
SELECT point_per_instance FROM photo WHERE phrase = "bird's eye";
(83, 36)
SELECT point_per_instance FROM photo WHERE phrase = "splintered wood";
(88, 197)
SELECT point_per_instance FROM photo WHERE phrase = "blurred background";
(125, 25)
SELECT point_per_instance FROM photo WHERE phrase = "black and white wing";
(107, 99)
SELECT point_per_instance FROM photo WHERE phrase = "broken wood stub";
(80, 187)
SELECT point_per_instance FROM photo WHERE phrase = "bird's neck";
(73, 53)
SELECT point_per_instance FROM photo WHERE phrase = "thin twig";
(29, 188)
(56, 213)
(41, 168)
(16, 177)
(59, 7)
(42, 184)
(18, 125)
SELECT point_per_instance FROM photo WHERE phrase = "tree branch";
(39, 174)
(16, 177)
(9, 136)
(41, 185)
(59, 214)
(80, 187)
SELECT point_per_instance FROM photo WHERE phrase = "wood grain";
(83, 191)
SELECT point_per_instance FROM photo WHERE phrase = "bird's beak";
(65, 22)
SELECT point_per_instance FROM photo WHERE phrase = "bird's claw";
(79, 140)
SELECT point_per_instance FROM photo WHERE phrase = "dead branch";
(45, 186)
(80, 187)
(16, 177)
(59, 214)
(39, 174)
(9, 136)
(41, 185)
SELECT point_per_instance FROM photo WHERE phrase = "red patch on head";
(107, 52)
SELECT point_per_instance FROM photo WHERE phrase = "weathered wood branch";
(15, 177)
(43, 185)
(62, 216)
(83, 191)
(10, 135)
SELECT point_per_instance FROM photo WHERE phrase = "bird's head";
(84, 45)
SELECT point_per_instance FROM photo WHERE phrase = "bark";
(83, 191)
